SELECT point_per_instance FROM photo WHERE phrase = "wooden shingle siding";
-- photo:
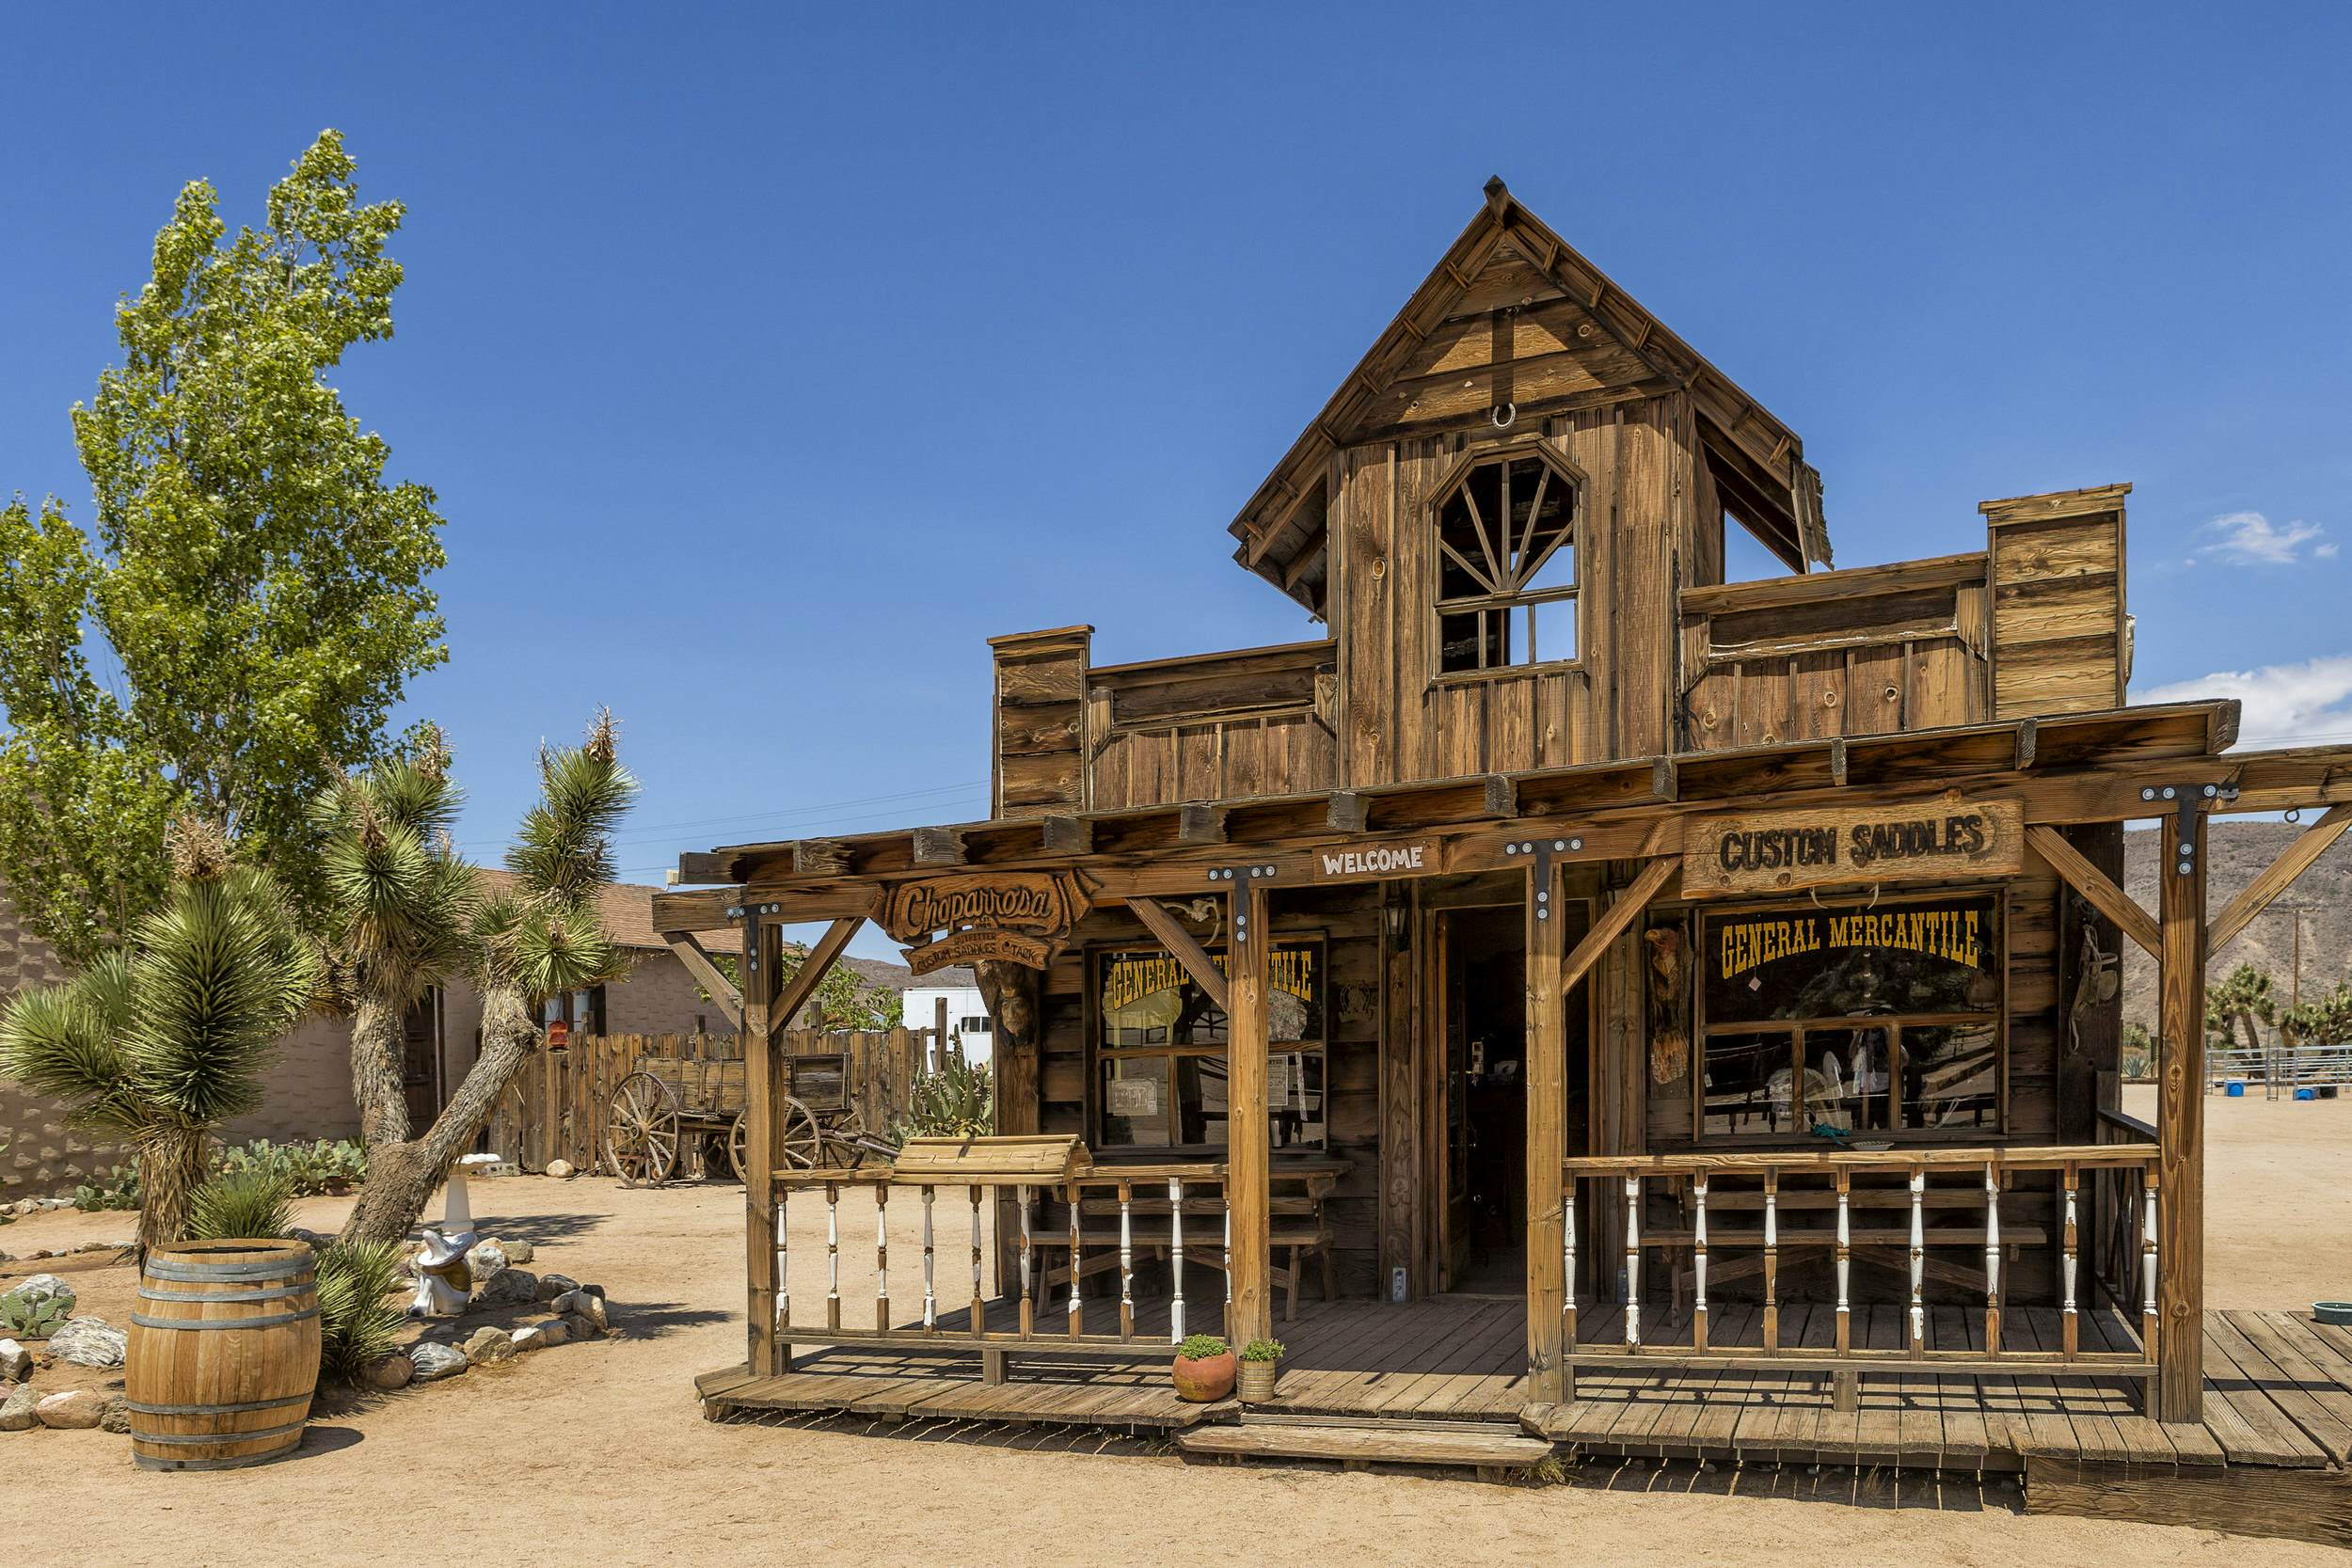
(2060, 639)
(1037, 765)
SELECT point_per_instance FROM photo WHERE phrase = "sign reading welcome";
(1924, 841)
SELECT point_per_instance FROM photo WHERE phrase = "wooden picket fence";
(556, 1110)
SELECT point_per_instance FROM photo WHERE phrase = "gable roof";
(1575, 338)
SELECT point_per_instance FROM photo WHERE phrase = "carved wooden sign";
(1014, 916)
(1923, 841)
(1386, 857)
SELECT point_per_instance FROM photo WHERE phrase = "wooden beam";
(1196, 823)
(708, 976)
(763, 1354)
(820, 857)
(2028, 742)
(2099, 892)
(1182, 947)
(1502, 796)
(1068, 836)
(1614, 920)
(1347, 811)
(1248, 1135)
(698, 867)
(2180, 1321)
(1549, 1377)
(811, 973)
(2256, 896)
(939, 846)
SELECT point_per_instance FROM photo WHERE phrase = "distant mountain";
(2236, 853)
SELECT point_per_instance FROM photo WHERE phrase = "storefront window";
(1869, 1019)
(1160, 1051)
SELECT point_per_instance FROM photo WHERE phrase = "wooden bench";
(1297, 1230)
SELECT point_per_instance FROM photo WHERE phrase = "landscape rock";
(16, 1411)
(530, 1338)
(393, 1371)
(490, 1345)
(518, 1252)
(508, 1288)
(16, 1362)
(578, 1326)
(551, 1331)
(89, 1342)
(39, 1289)
(554, 1285)
(585, 1302)
(559, 1168)
(433, 1361)
(486, 1257)
(116, 1418)
(72, 1410)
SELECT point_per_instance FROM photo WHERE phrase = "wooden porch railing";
(1818, 1180)
(1158, 1207)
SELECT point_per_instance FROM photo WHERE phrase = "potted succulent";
(1203, 1370)
(1260, 1359)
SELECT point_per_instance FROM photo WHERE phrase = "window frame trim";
(1437, 609)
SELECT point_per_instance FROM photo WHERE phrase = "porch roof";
(2071, 767)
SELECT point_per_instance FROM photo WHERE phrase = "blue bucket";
(2307, 1094)
(2235, 1088)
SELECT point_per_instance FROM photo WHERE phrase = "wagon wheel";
(842, 1148)
(738, 1134)
(799, 1141)
(640, 1140)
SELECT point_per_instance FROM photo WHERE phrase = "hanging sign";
(1925, 841)
(1017, 916)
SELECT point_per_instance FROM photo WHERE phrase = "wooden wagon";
(669, 1105)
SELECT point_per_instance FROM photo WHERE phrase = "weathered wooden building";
(1584, 979)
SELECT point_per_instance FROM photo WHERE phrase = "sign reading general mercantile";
(1922, 841)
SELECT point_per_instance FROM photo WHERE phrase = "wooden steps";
(1487, 1446)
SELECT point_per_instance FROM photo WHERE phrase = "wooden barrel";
(224, 1354)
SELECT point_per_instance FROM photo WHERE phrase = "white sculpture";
(444, 1279)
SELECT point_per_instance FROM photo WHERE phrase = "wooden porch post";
(764, 1356)
(1248, 1134)
(1549, 1379)
(2181, 1122)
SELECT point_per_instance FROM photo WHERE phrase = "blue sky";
(766, 361)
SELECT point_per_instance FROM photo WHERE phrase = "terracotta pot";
(1207, 1378)
(1256, 1381)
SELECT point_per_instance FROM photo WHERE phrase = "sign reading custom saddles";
(1016, 916)
(1924, 841)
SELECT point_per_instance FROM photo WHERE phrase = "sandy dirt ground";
(597, 1452)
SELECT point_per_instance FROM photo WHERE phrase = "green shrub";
(255, 1201)
(1200, 1347)
(953, 1103)
(307, 1168)
(118, 1189)
(1262, 1350)
(358, 1325)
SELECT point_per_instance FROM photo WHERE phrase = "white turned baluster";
(1771, 1259)
(2148, 1260)
(1028, 1309)
(979, 1304)
(2068, 1306)
(1845, 1262)
(1918, 1258)
(1992, 1259)
(1632, 1263)
(784, 1260)
(930, 1294)
(1077, 1311)
(1126, 1264)
(832, 1255)
(881, 1258)
(1176, 1264)
(1229, 1255)
(1567, 1258)
(1698, 1266)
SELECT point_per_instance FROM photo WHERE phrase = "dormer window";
(1506, 564)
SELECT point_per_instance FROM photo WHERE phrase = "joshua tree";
(2242, 1001)
(397, 926)
(160, 1040)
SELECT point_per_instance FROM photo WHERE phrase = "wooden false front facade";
(1665, 977)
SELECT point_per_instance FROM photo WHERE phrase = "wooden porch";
(2277, 1389)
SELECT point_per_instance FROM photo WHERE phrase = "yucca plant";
(539, 938)
(162, 1040)
(233, 1204)
(359, 1324)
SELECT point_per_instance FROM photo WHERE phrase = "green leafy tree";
(252, 586)
(845, 999)
(160, 1040)
(394, 926)
(2243, 1002)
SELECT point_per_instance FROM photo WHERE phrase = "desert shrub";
(117, 1189)
(307, 1168)
(953, 1103)
(359, 1325)
(255, 1201)
(23, 1317)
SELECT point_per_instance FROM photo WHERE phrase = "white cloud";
(2284, 703)
(2250, 539)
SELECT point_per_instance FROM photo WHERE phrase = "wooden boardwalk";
(2272, 1455)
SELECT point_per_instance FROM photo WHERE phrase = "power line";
(784, 813)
